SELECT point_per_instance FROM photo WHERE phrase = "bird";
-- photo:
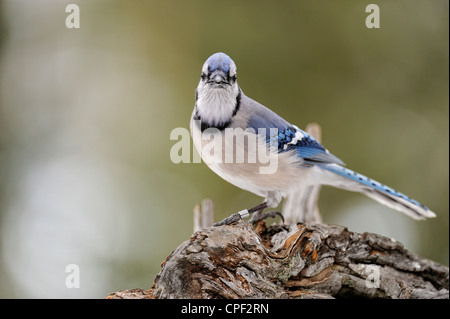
(227, 126)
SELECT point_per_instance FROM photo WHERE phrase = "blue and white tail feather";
(384, 194)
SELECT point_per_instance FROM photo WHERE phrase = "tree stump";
(313, 261)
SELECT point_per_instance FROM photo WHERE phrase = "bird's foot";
(243, 214)
(260, 216)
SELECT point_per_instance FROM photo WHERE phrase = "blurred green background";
(86, 115)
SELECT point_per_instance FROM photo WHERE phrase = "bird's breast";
(244, 159)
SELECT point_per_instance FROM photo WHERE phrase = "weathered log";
(296, 261)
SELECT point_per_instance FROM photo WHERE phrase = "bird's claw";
(247, 212)
(258, 217)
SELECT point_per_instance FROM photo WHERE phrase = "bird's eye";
(234, 77)
(203, 76)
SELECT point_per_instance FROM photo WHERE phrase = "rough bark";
(296, 261)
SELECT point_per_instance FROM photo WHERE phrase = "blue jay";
(302, 162)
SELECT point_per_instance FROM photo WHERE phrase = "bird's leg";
(243, 214)
(258, 209)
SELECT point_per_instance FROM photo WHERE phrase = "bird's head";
(218, 92)
(218, 73)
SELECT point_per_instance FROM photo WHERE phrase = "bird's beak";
(218, 79)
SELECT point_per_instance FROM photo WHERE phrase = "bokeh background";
(86, 115)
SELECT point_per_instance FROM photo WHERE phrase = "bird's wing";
(305, 146)
(288, 137)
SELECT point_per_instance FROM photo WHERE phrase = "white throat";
(216, 106)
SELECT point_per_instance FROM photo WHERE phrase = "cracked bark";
(297, 261)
